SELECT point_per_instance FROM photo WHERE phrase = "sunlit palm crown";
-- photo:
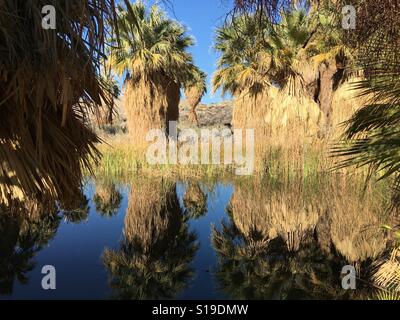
(256, 53)
(151, 43)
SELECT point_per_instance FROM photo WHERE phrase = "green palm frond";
(372, 136)
(149, 43)
(255, 54)
(241, 50)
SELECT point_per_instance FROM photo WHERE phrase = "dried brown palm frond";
(387, 272)
(275, 118)
(261, 213)
(293, 219)
(250, 215)
(386, 295)
(355, 228)
(293, 213)
(48, 84)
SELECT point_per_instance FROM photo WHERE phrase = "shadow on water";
(156, 239)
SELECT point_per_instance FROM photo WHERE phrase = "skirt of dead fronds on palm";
(291, 123)
(150, 103)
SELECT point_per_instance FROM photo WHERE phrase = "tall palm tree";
(194, 91)
(153, 59)
(301, 55)
(46, 95)
(372, 135)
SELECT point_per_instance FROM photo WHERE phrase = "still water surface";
(156, 240)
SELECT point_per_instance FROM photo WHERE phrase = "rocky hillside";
(218, 115)
(212, 115)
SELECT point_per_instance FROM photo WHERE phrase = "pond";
(157, 239)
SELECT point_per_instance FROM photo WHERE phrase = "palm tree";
(243, 63)
(194, 91)
(153, 59)
(372, 137)
(46, 95)
(302, 55)
(153, 261)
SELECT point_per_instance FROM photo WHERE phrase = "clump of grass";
(122, 160)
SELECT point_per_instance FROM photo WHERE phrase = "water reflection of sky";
(203, 286)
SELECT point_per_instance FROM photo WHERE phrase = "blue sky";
(201, 18)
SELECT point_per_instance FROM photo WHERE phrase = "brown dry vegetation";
(290, 124)
(150, 104)
(278, 115)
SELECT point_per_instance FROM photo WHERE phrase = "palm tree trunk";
(193, 115)
(327, 72)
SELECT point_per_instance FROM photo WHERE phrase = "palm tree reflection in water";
(107, 199)
(24, 232)
(154, 257)
(288, 244)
